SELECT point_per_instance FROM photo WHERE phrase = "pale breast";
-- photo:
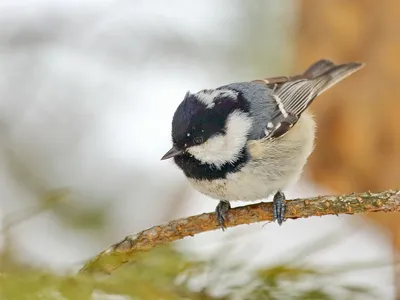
(248, 184)
(273, 166)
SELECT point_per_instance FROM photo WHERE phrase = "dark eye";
(198, 140)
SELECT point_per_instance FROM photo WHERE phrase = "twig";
(125, 250)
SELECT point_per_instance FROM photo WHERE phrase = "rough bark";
(125, 250)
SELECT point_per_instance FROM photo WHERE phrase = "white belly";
(253, 182)
(273, 166)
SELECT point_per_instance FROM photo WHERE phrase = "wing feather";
(294, 95)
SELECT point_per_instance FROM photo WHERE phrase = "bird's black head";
(203, 115)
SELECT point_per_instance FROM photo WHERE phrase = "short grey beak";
(171, 153)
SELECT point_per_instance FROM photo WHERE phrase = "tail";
(318, 68)
(326, 74)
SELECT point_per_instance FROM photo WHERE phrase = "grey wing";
(260, 109)
(277, 103)
(293, 97)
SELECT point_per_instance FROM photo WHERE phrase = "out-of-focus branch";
(125, 250)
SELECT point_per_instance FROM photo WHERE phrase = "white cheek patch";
(225, 148)
(208, 97)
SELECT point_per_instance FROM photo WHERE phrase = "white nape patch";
(209, 96)
(225, 148)
(188, 134)
(280, 105)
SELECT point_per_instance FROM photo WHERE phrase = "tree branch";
(125, 250)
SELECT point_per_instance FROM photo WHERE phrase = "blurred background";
(87, 93)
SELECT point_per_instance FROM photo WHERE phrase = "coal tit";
(250, 140)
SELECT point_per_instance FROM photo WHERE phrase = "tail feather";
(318, 68)
(336, 74)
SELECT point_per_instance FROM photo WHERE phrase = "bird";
(249, 140)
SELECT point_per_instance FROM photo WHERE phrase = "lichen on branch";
(125, 250)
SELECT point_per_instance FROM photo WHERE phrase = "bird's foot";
(279, 207)
(220, 211)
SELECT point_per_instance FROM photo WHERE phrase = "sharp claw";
(220, 211)
(279, 207)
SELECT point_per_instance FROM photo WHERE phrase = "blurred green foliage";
(165, 273)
